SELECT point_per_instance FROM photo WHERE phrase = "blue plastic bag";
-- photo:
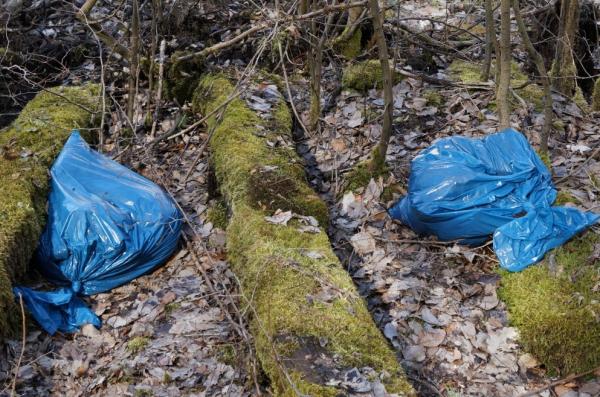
(106, 226)
(468, 189)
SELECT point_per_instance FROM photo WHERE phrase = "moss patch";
(182, 77)
(350, 48)
(580, 100)
(297, 298)
(470, 73)
(217, 214)
(27, 149)
(596, 96)
(556, 306)
(137, 344)
(363, 76)
(360, 175)
(433, 97)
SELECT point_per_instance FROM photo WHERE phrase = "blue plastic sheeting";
(106, 226)
(468, 188)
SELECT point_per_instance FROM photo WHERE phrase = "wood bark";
(564, 71)
(490, 37)
(543, 75)
(378, 159)
(502, 92)
(133, 61)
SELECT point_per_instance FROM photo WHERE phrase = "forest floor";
(176, 332)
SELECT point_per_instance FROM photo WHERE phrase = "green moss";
(363, 76)
(388, 192)
(555, 306)
(27, 149)
(217, 214)
(465, 72)
(470, 73)
(171, 307)
(137, 344)
(433, 97)
(545, 157)
(228, 354)
(533, 93)
(350, 48)
(360, 175)
(596, 96)
(296, 298)
(182, 77)
(580, 100)
(282, 119)
(563, 197)
(143, 393)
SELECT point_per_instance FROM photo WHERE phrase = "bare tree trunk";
(134, 59)
(502, 91)
(541, 68)
(564, 71)
(378, 157)
(490, 38)
(354, 15)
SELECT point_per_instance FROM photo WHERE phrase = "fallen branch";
(264, 25)
(580, 167)
(559, 382)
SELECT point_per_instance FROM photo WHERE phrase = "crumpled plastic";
(106, 226)
(467, 189)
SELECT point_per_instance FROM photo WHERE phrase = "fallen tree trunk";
(310, 325)
(27, 149)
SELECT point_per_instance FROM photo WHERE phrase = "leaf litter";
(435, 302)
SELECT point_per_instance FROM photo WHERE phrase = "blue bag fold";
(106, 226)
(467, 189)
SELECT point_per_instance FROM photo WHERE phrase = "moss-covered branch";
(27, 149)
(309, 322)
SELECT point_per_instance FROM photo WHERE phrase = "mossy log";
(309, 323)
(27, 149)
(555, 305)
(362, 76)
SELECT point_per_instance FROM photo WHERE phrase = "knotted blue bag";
(106, 226)
(467, 189)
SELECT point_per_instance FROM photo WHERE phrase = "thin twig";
(264, 25)
(580, 167)
(289, 91)
(23, 343)
(161, 68)
(559, 382)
